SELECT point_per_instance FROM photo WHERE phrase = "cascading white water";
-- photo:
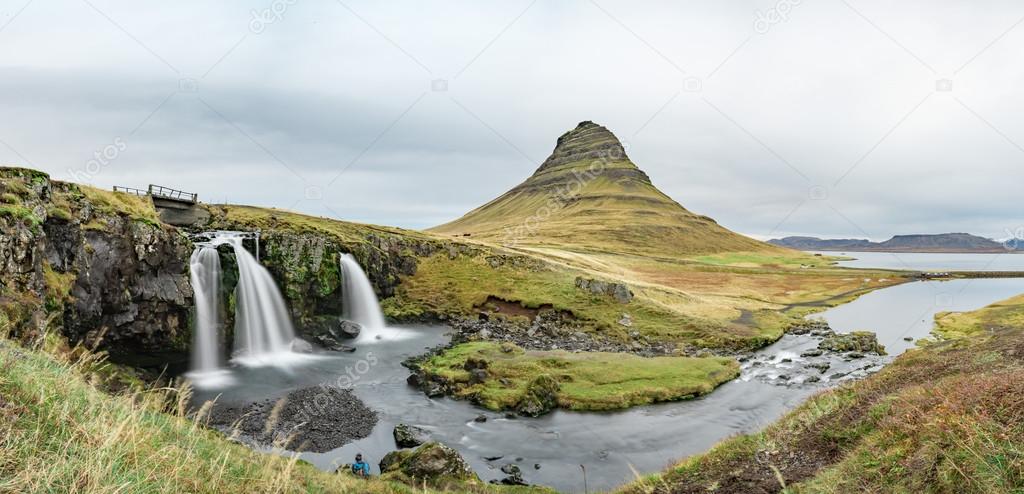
(361, 305)
(263, 329)
(205, 274)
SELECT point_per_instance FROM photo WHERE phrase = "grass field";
(587, 381)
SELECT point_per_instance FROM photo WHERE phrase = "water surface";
(612, 446)
(932, 262)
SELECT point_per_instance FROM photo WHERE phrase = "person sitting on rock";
(360, 468)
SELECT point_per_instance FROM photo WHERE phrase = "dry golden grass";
(58, 433)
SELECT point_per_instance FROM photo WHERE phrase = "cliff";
(97, 267)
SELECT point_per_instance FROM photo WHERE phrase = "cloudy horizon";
(845, 118)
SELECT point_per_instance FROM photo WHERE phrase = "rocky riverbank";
(316, 419)
(552, 330)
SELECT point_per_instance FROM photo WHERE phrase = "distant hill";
(588, 195)
(939, 243)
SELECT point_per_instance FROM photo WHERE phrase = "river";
(612, 446)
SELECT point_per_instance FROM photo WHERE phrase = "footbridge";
(176, 207)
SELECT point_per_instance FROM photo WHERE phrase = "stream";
(613, 446)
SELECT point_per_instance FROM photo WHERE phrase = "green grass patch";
(136, 207)
(1008, 313)
(21, 213)
(586, 380)
(445, 285)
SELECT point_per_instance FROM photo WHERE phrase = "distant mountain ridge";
(589, 196)
(936, 243)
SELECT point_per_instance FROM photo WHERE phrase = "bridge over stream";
(176, 207)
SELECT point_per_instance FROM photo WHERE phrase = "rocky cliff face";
(96, 266)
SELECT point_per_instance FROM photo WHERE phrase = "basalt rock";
(331, 331)
(514, 475)
(109, 277)
(858, 342)
(433, 463)
(620, 292)
(541, 397)
(408, 436)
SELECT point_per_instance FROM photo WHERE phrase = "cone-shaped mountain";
(589, 196)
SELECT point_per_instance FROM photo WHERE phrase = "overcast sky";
(857, 118)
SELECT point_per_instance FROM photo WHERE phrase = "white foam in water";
(263, 329)
(362, 306)
(210, 379)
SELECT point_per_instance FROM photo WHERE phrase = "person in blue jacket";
(360, 468)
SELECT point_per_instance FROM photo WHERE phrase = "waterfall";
(361, 305)
(263, 329)
(204, 269)
(205, 274)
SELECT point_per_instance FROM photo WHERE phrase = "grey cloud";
(319, 88)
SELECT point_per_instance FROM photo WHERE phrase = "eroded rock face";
(588, 141)
(108, 279)
(131, 294)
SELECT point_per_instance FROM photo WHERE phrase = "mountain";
(814, 243)
(588, 195)
(943, 242)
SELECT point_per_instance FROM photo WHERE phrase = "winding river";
(613, 447)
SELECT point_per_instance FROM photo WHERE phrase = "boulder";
(477, 376)
(408, 436)
(330, 331)
(473, 363)
(856, 341)
(432, 463)
(620, 292)
(347, 329)
(514, 475)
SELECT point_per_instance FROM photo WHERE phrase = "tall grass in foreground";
(60, 434)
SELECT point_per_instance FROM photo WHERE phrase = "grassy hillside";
(944, 418)
(59, 433)
(589, 196)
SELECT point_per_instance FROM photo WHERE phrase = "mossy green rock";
(856, 341)
(433, 463)
(541, 397)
